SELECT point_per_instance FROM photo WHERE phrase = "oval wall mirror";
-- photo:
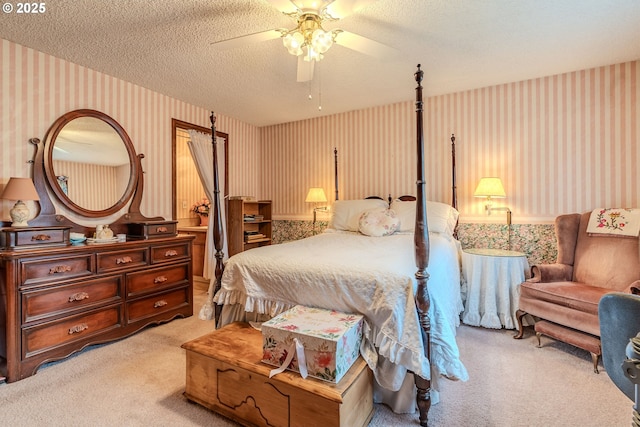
(90, 163)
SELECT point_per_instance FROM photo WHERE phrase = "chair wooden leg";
(519, 316)
(595, 358)
(538, 335)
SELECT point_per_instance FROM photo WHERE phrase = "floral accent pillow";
(347, 213)
(378, 223)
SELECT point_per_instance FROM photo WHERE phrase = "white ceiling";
(166, 46)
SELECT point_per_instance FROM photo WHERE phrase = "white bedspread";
(370, 275)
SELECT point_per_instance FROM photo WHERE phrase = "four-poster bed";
(374, 276)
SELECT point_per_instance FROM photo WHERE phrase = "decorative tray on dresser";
(61, 295)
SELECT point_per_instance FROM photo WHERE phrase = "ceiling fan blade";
(342, 8)
(240, 41)
(285, 6)
(305, 69)
(367, 46)
(336, 8)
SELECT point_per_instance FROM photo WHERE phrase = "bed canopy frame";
(421, 240)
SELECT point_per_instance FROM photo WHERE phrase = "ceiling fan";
(309, 40)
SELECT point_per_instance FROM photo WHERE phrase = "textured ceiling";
(166, 46)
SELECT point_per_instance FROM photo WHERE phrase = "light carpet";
(139, 381)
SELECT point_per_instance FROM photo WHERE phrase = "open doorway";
(186, 186)
(187, 189)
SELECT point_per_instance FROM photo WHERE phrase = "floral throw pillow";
(347, 213)
(378, 223)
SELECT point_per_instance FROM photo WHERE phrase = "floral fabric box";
(331, 341)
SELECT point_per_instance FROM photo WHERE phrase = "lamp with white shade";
(492, 188)
(316, 195)
(20, 189)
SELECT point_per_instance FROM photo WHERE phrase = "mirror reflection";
(91, 163)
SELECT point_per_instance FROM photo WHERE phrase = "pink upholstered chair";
(563, 297)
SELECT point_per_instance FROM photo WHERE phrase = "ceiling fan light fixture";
(293, 41)
(321, 40)
(310, 54)
(308, 38)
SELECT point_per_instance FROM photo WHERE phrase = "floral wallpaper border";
(537, 241)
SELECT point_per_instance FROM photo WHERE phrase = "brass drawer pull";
(78, 296)
(160, 303)
(160, 279)
(124, 260)
(59, 269)
(171, 252)
(40, 237)
(161, 230)
(78, 328)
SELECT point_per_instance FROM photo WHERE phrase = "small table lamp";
(316, 195)
(20, 189)
(492, 187)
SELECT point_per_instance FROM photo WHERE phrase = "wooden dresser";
(199, 246)
(58, 300)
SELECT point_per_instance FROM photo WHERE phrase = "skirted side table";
(493, 278)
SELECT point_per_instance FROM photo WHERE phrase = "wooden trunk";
(224, 374)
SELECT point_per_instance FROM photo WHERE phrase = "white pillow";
(441, 218)
(378, 223)
(346, 213)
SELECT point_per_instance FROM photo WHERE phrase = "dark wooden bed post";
(335, 169)
(218, 234)
(421, 245)
(454, 187)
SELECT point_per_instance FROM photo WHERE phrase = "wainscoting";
(537, 241)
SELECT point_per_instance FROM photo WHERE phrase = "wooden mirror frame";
(48, 216)
(49, 142)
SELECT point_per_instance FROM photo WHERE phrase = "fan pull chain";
(319, 86)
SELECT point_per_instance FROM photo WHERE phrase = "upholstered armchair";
(620, 334)
(563, 297)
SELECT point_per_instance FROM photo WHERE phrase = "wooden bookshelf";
(249, 225)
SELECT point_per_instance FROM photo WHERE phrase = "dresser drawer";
(50, 335)
(157, 304)
(157, 279)
(152, 229)
(118, 260)
(201, 237)
(55, 269)
(166, 253)
(33, 237)
(40, 304)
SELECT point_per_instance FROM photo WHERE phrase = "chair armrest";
(545, 273)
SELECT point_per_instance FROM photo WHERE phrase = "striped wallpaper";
(92, 186)
(564, 143)
(36, 89)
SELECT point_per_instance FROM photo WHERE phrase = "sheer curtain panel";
(202, 152)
